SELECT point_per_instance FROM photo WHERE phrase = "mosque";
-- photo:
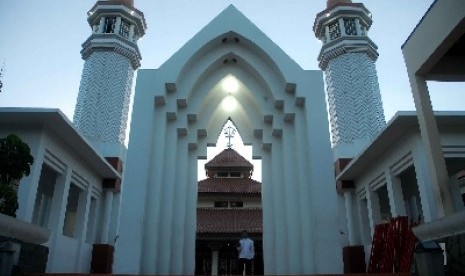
(332, 168)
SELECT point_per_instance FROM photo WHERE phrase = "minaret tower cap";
(129, 3)
(334, 2)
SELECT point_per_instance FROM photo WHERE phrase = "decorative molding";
(54, 162)
(181, 103)
(191, 118)
(268, 119)
(277, 132)
(170, 87)
(289, 117)
(402, 164)
(345, 45)
(290, 88)
(79, 181)
(377, 182)
(279, 104)
(160, 101)
(300, 101)
(112, 43)
(171, 116)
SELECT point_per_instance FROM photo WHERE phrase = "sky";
(40, 43)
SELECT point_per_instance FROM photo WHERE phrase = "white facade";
(441, 59)
(348, 59)
(392, 177)
(63, 192)
(179, 110)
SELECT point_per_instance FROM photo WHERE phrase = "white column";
(292, 201)
(396, 198)
(118, 24)
(432, 146)
(280, 222)
(82, 214)
(57, 214)
(101, 25)
(455, 190)
(106, 216)
(191, 215)
(165, 228)
(424, 182)
(373, 209)
(179, 211)
(342, 27)
(364, 221)
(414, 208)
(306, 215)
(327, 36)
(350, 216)
(155, 180)
(114, 219)
(214, 262)
(81, 230)
(343, 231)
(131, 33)
(357, 24)
(269, 215)
(40, 213)
(28, 187)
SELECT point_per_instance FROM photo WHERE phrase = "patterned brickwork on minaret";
(111, 56)
(101, 113)
(348, 59)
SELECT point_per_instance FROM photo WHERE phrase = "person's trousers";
(248, 266)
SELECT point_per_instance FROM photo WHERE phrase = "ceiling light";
(230, 84)
(229, 103)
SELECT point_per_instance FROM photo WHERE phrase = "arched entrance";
(179, 109)
(229, 202)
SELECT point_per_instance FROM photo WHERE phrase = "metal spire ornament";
(229, 133)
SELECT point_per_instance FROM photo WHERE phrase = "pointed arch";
(281, 112)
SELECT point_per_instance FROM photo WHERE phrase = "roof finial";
(334, 2)
(129, 3)
(229, 133)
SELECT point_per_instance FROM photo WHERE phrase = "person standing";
(246, 251)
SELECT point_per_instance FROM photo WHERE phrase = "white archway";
(177, 113)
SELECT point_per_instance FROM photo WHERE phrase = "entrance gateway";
(229, 202)
(180, 109)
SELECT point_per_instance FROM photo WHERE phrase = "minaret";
(111, 55)
(348, 59)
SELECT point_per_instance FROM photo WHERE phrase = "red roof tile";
(223, 220)
(228, 158)
(229, 185)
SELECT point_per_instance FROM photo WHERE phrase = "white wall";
(406, 152)
(65, 254)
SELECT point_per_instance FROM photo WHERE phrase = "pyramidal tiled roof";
(229, 185)
(228, 158)
(224, 220)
